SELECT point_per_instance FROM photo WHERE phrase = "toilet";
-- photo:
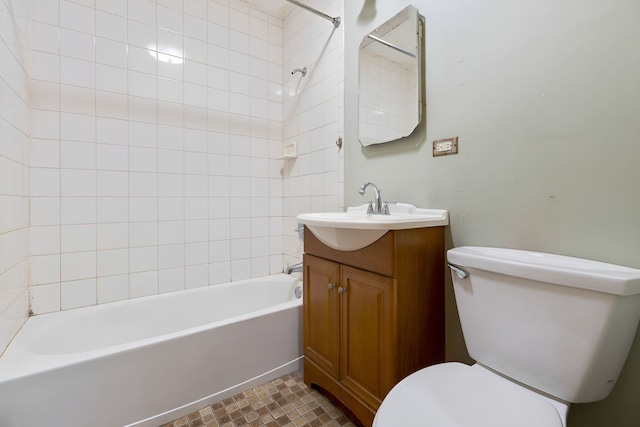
(545, 331)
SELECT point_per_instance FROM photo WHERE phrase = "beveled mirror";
(390, 79)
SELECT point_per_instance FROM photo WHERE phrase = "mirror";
(390, 79)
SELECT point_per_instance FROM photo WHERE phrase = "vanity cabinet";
(372, 316)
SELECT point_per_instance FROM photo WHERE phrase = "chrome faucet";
(379, 208)
(293, 268)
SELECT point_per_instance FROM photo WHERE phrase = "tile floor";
(283, 402)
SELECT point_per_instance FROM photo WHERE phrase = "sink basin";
(355, 229)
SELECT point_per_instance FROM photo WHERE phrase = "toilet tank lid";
(549, 268)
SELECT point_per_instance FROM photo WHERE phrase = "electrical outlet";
(443, 147)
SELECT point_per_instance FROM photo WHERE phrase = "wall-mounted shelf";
(290, 151)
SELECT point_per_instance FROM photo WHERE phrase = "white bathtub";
(147, 361)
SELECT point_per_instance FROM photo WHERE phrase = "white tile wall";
(151, 163)
(157, 130)
(312, 111)
(14, 167)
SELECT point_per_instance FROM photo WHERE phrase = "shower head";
(302, 71)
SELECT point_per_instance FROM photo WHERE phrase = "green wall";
(545, 99)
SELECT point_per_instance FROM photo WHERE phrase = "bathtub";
(148, 361)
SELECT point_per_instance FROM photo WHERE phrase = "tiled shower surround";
(158, 128)
(14, 167)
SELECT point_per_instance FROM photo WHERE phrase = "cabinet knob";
(331, 286)
(341, 290)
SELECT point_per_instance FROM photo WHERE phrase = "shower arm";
(336, 20)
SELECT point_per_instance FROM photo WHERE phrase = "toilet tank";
(558, 324)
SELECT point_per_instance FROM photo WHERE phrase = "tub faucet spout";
(292, 268)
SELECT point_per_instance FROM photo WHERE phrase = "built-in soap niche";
(290, 151)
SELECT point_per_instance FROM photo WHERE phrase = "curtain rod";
(336, 20)
(391, 45)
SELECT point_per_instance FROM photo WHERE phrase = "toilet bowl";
(545, 331)
(458, 395)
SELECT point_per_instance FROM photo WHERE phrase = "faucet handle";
(370, 208)
(385, 209)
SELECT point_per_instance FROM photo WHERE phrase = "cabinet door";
(321, 313)
(368, 339)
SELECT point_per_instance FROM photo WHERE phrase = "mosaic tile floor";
(283, 402)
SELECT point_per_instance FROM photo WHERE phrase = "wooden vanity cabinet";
(372, 316)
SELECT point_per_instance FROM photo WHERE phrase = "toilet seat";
(457, 395)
